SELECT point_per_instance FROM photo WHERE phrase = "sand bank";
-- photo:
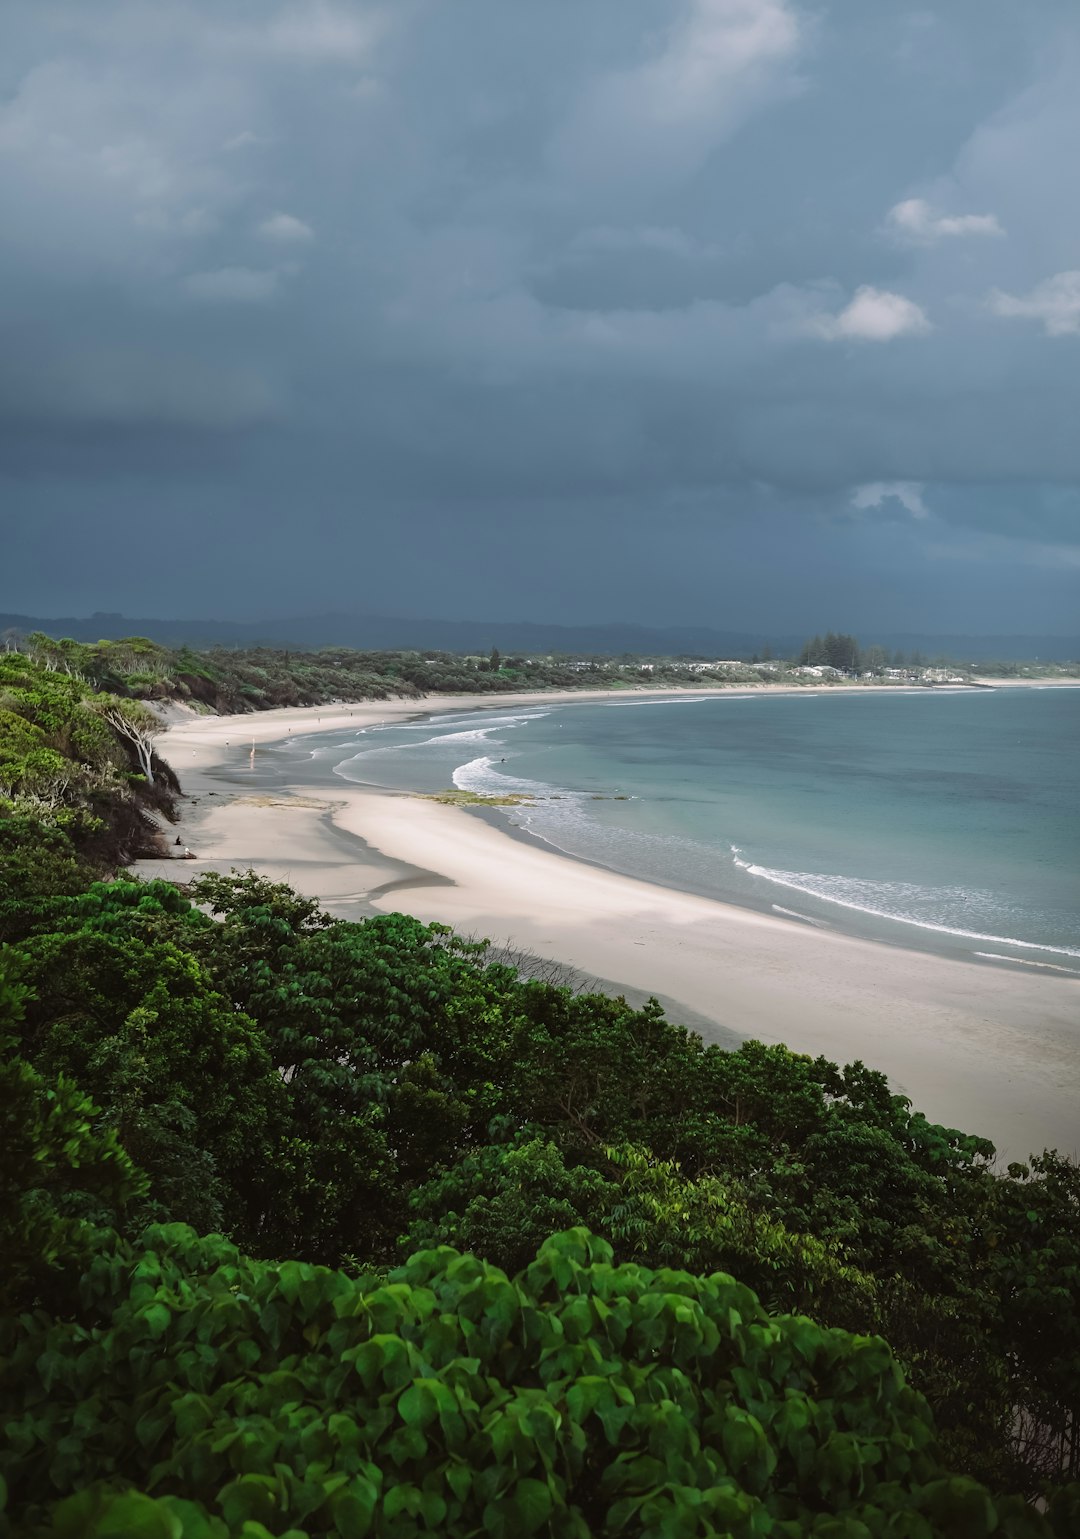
(991, 1050)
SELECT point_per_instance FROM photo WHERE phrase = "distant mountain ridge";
(383, 632)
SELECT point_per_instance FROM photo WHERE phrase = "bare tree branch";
(137, 726)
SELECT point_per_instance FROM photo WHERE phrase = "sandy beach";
(992, 1050)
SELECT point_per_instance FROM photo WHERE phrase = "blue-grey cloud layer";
(742, 311)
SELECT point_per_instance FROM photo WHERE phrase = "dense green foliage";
(347, 1093)
(579, 1399)
(327, 1094)
(59, 1169)
(77, 764)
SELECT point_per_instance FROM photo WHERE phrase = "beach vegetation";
(227, 680)
(347, 1093)
(239, 679)
(230, 1120)
(79, 765)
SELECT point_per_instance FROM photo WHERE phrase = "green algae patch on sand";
(457, 798)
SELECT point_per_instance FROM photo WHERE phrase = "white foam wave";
(470, 735)
(866, 897)
(479, 727)
(477, 735)
(997, 956)
(793, 913)
(476, 719)
(702, 699)
(483, 720)
(482, 778)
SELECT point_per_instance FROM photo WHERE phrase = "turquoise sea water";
(942, 819)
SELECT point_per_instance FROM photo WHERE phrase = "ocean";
(942, 819)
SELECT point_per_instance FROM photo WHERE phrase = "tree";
(60, 1173)
(136, 725)
(59, 1168)
(502, 1201)
(842, 652)
(38, 863)
(182, 1078)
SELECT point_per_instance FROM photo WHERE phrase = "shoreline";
(990, 1050)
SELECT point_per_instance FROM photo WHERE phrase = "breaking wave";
(482, 778)
(478, 729)
(903, 902)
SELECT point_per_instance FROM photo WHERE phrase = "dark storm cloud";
(505, 297)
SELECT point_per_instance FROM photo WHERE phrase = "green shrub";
(60, 1170)
(580, 1399)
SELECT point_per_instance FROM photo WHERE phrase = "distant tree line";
(267, 678)
(838, 650)
(228, 680)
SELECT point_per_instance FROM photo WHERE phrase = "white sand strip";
(991, 1050)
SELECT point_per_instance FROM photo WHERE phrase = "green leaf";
(532, 1504)
(417, 1406)
(353, 1509)
(251, 1496)
(106, 1515)
(156, 1318)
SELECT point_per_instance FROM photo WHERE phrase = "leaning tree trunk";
(141, 739)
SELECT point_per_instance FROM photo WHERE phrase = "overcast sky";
(751, 313)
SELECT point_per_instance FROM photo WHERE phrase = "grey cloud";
(873, 315)
(876, 494)
(242, 285)
(914, 220)
(286, 230)
(709, 67)
(1055, 301)
(320, 30)
(415, 267)
(122, 384)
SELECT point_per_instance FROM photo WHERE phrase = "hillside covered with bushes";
(79, 777)
(315, 1227)
(264, 678)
